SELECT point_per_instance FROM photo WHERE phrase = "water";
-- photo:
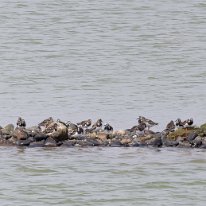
(75, 60)
(102, 176)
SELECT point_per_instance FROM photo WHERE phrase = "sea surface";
(114, 60)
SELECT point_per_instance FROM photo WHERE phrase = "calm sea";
(113, 60)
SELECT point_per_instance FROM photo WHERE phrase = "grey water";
(113, 60)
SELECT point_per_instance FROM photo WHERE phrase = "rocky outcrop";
(51, 133)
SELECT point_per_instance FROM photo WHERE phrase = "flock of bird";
(86, 126)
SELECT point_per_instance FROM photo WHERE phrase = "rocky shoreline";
(56, 133)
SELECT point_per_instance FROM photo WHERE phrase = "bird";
(97, 124)
(59, 121)
(149, 123)
(86, 123)
(189, 122)
(108, 127)
(21, 122)
(170, 126)
(45, 123)
(72, 128)
(179, 123)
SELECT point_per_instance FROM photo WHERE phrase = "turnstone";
(179, 123)
(72, 128)
(149, 123)
(97, 124)
(189, 122)
(45, 123)
(85, 123)
(21, 122)
(170, 126)
(108, 127)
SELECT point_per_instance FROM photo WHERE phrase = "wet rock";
(50, 142)
(115, 143)
(23, 142)
(92, 142)
(69, 143)
(184, 144)
(37, 144)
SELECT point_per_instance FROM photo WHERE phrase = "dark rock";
(50, 142)
(40, 136)
(155, 141)
(192, 136)
(23, 142)
(197, 142)
(69, 143)
(115, 143)
(37, 144)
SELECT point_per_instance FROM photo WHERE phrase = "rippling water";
(115, 60)
(102, 176)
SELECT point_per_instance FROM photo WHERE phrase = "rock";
(102, 136)
(92, 142)
(50, 142)
(156, 140)
(7, 131)
(119, 132)
(20, 133)
(167, 142)
(184, 144)
(191, 136)
(23, 142)
(37, 144)
(69, 143)
(125, 141)
(40, 136)
(59, 132)
(115, 143)
(197, 142)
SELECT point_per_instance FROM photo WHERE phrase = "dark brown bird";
(170, 126)
(149, 123)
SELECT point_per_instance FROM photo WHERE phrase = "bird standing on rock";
(97, 124)
(21, 122)
(149, 123)
(85, 123)
(179, 123)
(170, 126)
(189, 122)
(108, 127)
